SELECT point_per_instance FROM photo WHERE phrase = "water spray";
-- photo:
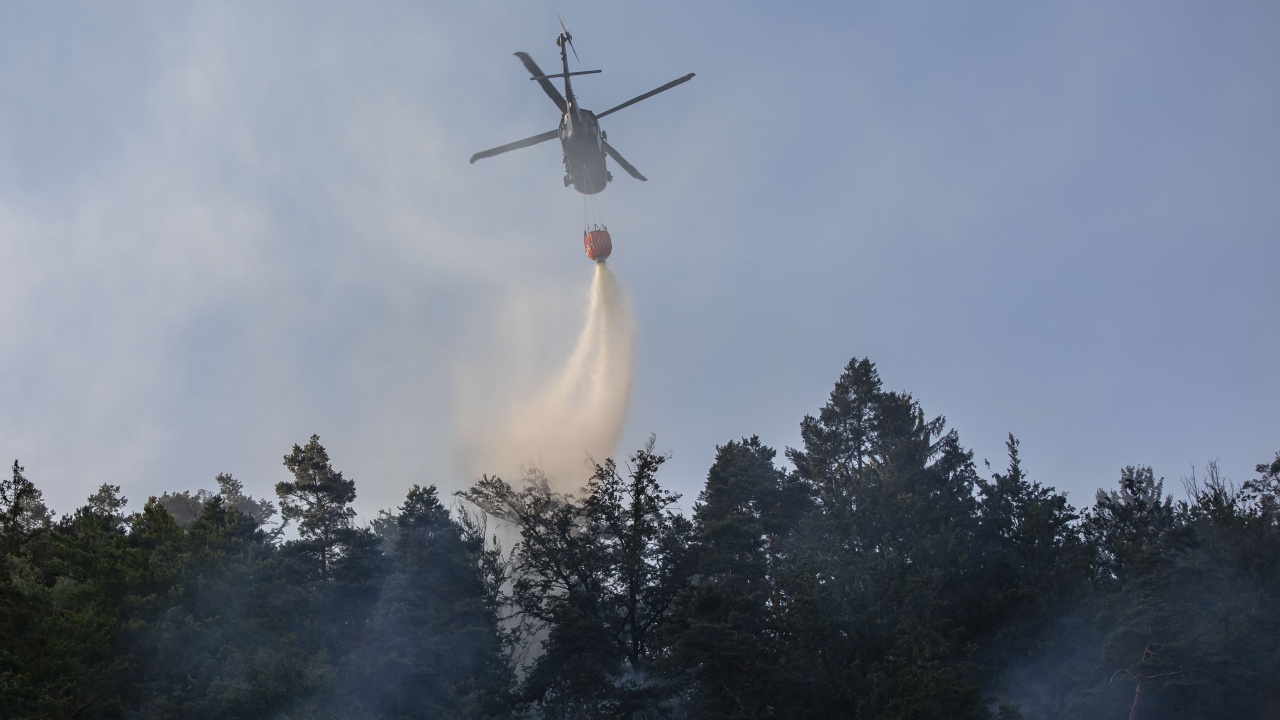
(577, 417)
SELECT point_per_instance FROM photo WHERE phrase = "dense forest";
(879, 573)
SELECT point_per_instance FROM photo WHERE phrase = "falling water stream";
(576, 417)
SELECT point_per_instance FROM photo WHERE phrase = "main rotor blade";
(516, 145)
(541, 77)
(631, 170)
(647, 95)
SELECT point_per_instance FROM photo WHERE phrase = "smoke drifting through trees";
(578, 415)
(883, 576)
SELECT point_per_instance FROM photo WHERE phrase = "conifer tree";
(1027, 540)
(107, 504)
(22, 509)
(319, 499)
(886, 563)
(730, 633)
(435, 648)
(232, 492)
(1033, 579)
(1125, 525)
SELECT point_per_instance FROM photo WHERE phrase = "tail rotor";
(565, 37)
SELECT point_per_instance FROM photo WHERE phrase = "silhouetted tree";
(1125, 525)
(1187, 613)
(108, 505)
(22, 509)
(730, 633)
(1034, 576)
(882, 578)
(319, 499)
(598, 577)
(888, 562)
(435, 647)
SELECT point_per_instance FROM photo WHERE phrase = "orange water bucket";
(598, 244)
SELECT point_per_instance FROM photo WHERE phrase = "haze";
(227, 226)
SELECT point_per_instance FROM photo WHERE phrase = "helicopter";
(583, 142)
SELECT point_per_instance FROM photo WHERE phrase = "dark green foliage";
(230, 642)
(1126, 525)
(107, 505)
(22, 509)
(595, 578)
(231, 491)
(319, 499)
(729, 634)
(61, 593)
(108, 615)
(887, 559)
(1033, 574)
(1188, 611)
(1179, 622)
(881, 578)
(557, 590)
(1034, 570)
(186, 506)
(434, 648)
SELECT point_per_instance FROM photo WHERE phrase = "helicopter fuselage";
(580, 137)
(583, 146)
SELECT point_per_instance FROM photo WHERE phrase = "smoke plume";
(561, 426)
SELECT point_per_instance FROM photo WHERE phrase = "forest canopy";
(878, 572)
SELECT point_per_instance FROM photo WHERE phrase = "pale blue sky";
(227, 226)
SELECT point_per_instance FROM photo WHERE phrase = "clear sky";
(227, 226)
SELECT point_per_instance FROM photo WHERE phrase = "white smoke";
(560, 427)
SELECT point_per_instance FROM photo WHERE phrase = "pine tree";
(107, 504)
(22, 509)
(319, 499)
(839, 442)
